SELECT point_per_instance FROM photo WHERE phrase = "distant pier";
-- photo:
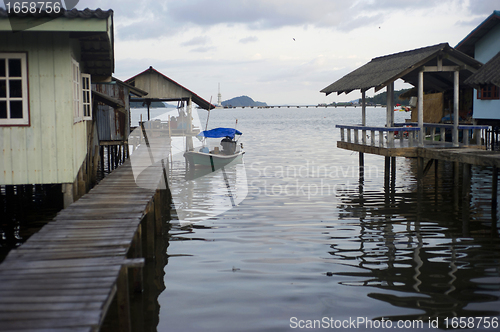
(304, 106)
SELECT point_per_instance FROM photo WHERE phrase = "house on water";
(47, 64)
(162, 88)
(112, 117)
(483, 44)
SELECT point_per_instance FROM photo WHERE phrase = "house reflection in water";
(437, 245)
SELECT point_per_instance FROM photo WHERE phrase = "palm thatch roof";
(382, 71)
(488, 74)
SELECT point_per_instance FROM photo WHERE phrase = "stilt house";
(47, 64)
(483, 44)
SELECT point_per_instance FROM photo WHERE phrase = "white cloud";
(249, 47)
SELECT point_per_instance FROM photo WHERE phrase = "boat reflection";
(199, 193)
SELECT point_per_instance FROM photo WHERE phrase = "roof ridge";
(417, 50)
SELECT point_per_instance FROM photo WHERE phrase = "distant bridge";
(303, 106)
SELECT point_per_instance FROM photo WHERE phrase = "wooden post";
(122, 297)
(421, 108)
(158, 214)
(455, 106)
(387, 171)
(390, 113)
(136, 251)
(494, 190)
(363, 107)
(109, 158)
(420, 172)
(466, 199)
(393, 174)
(150, 236)
(148, 103)
(361, 166)
(363, 138)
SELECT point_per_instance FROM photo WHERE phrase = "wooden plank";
(97, 216)
(381, 151)
(52, 314)
(13, 307)
(42, 272)
(86, 262)
(51, 323)
(71, 283)
(54, 329)
(56, 275)
(48, 293)
(52, 299)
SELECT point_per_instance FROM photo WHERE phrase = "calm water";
(310, 242)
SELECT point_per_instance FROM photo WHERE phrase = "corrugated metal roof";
(467, 44)
(488, 74)
(73, 13)
(97, 46)
(381, 71)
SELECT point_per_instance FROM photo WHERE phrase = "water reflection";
(441, 260)
(311, 240)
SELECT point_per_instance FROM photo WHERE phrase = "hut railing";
(379, 136)
(468, 134)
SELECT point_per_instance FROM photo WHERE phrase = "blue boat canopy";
(219, 132)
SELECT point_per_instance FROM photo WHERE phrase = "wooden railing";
(468, 134)
(379, 136)
(407, 134)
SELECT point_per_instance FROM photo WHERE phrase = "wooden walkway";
(65, 277)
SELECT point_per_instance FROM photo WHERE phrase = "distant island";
(154, 104)
(242, 101)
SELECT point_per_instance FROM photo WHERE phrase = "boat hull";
(210, 160)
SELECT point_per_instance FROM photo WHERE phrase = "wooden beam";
(440, 68)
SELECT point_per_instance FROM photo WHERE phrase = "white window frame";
(77, 91)
(86, 97)
(25, 120)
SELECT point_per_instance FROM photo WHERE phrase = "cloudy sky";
(277, 51)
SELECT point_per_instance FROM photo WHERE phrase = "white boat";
(228, 151)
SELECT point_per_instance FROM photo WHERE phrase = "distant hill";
(381, 98)
(242, 101)
(154, 104)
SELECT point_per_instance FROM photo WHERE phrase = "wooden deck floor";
(439, 151)
(65, 277)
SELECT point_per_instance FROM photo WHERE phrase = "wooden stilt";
(420, 171)
(393, 173)
(387, 172)
(466, 198)
(150, 234)
(137, 277)
(494, 194)
(361, 166)
(122, 296)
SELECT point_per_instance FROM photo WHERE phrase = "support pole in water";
(363, 123)
(494, 190)
(393, 174)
